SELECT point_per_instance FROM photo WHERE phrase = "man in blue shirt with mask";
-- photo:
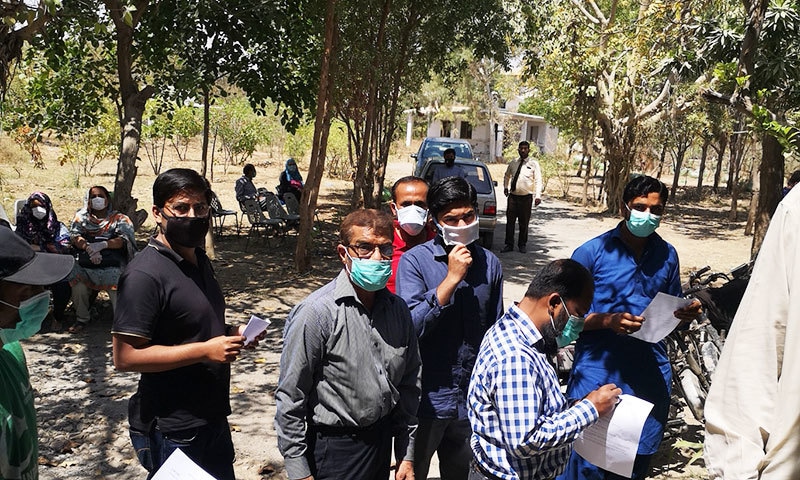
(630, 265)
(453, 287)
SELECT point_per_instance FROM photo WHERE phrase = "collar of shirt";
(525, 324)
(651, 239)
(172, 254)
(344, 289)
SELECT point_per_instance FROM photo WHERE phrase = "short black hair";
(565, 277)
(795, 178)
(524, 142)
(449, 150)
(176, 180)
(249, 167)
(450, 190)
(642, 185)
(407, 179)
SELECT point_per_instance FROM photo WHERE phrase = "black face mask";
(186, 231)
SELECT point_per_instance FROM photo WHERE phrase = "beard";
(548, 344)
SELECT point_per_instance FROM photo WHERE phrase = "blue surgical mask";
(31, 313)
(370, 275)
(642, 224)
(571, 330)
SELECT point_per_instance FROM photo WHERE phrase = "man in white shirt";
(752, 410)
(524, 190)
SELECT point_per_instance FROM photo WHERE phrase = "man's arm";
(304, 344)
(527, 435)
(137, 354)
(537, 180)
(507, 177)
(404, 416)
(426, 304)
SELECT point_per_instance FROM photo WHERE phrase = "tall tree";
(392, 46)
(767, 58)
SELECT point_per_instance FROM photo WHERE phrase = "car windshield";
(477, 175)
(437, 150)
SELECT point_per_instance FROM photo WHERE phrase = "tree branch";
(585, 12)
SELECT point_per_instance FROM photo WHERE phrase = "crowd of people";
(409, 349)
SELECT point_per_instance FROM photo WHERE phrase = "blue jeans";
(210, 446)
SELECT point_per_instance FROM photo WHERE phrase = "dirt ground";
(81, 400)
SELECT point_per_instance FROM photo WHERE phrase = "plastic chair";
(293, 206)
(275, 211)
(218, 215)
(260, 223)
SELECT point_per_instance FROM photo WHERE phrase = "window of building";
(447, 128)
(466, 130)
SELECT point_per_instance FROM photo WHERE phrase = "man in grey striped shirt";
(350, 368)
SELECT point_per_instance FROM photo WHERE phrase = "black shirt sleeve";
(140, 299)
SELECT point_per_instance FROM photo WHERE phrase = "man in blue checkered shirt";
(522, 427)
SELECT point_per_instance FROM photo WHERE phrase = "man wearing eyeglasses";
(454, 288)
(171, 327)
(630, 265)
(350, 367)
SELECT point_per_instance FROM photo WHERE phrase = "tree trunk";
(723, 144)
(751, 211)
(206, 132)
(322, 125)
(133, 103)
(702, 170)
(770, 180)
(676, 177)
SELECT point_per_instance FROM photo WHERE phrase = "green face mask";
(31, 313)
(571, 330)
(371, 275)
(642, 224)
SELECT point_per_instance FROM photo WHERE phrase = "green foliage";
(185, 124)
(55, 93)
(238, 129)
(85, 150)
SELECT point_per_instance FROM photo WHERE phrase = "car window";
(477, 175)
(436, 150)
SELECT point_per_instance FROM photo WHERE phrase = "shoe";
(77, 327)
(507, 248)
(522, 249)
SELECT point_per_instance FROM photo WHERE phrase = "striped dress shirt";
(521, 426)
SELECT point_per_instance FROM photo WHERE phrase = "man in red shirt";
(411, 225)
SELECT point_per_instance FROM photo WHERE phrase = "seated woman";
(38, 225)
(105, 243)
(291, 181)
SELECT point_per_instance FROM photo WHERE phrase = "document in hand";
(254, 327)
(611, 443)
(180, 467)
(659, 318)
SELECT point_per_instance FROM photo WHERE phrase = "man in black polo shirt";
(170, 326)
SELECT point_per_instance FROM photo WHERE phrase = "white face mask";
(39, 212)
(412, 219)
(98, 203)
(460, 235)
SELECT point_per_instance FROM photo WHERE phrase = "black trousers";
(519, 207)
(351, 453)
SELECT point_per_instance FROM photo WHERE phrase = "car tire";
(487, 239)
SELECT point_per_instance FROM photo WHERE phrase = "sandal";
(77, 327)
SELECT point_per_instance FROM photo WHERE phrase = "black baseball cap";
(20, 264)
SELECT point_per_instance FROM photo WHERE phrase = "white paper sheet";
(254, 327)
(612, 442)
(659, 318)
(180, 467)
